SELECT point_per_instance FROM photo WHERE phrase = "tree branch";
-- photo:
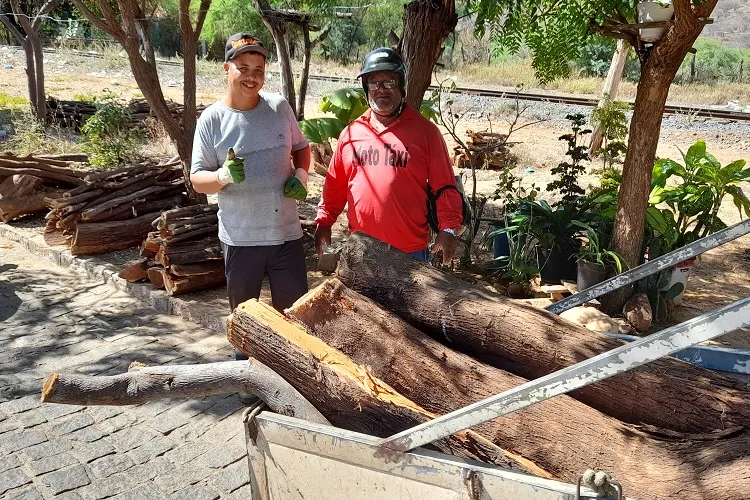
(321, 37)
(48, 6)
(201, 17)
(12, 28)
(21, 17)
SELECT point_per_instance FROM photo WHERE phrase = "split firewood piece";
(184, 212)
(531, 343)
(181, 381)
(136, 270)
(65, 201)
(346, 393)
(207, 267)
(88, 213)
(51, 177)
(188, 252)
(65, 168)
(102, 237)
(156, 276)
(562, 436)
(177, 284)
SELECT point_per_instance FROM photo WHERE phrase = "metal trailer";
(292, 458)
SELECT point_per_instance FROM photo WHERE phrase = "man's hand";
(322, 235)
(233, 170)
(296, 187)
(447, 243)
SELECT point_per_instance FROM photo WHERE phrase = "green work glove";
(296, 187)
(233, 170)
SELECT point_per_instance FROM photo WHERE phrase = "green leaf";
(740, 199)
(320, 130)
(655, 220)
(695, 154)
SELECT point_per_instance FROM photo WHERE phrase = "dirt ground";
(719, 278)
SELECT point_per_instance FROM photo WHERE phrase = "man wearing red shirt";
(381, 167)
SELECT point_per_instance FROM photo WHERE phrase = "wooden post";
(614, 75)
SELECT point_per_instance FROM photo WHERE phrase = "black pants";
(247, 266)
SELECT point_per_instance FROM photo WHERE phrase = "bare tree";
(32, 47)
(128, 22)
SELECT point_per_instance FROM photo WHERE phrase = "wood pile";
(113, 210)
(26, 181)
(488, 150)
(183, 254)
(73, 114)
(392, 342)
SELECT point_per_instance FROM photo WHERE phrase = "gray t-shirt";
(254, 212)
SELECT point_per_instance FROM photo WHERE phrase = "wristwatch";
(450, 231)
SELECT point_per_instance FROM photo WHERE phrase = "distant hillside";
(731, 23)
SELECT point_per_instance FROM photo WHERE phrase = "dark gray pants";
(247, 266)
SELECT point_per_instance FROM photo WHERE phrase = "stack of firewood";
(183, 254)
(26, 181)
(73, 114)
(113, 210)
(487, 149)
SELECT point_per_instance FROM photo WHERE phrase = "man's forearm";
(206, 182)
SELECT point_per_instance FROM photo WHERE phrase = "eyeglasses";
(386, 84)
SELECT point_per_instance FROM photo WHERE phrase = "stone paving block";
(100, 413)
(20, 405)
(243, 493)
(187, 452)
(177, 480)
(27, 494)
(8, 425)
(141, 492)
(127, 439)
(53, 411)
(227, 427)
(47, 449)
(146, 472)
(111, 464)
(152, 409)
(196, 492)
(225, 454)
(167, 422)
(66, 479)
(7, 379)
(69, 495)
(86, 452)
(197, 427)
(154, 448)
(113, 485)
(9, 462)
(118, 422)
(11, 479)
(49, 464)
(31, 418)
(14, 441)
(71, 424)
(232, 477)
(86, 435)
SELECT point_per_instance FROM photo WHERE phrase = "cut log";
(183, 212)
(189, 252)
(51, 177)
(42, 163)
(150, 245)
(344, 392)
(181, 381)
(531, 343)
(208, 267)
(563, 436)
(176, 285)
(136, 270)
(101, 237)
(156, 276)
(23, 194)
(90, 212)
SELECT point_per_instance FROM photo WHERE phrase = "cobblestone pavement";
(55, 319)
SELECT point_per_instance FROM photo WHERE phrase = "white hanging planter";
(649, 12)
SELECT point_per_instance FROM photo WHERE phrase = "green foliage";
(510, 191)
(518, 265)
(595, 57)
(165, 36)
(568, 172)
(12, 102)
(593, 251)
(110, 138)
(714, 63)
(611, 120)
(227, 17)
(344, 40)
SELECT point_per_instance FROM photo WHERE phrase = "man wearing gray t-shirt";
(244, 149)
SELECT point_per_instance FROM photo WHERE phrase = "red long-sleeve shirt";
(383, 177)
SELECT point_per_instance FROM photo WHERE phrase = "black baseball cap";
(243, 42)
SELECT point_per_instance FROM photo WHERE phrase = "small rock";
(516, 291)
(7, 66)
(591, 318)
(638, 312)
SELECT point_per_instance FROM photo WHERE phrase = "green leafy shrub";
(568, 172)
(714, 63)
(110, 137)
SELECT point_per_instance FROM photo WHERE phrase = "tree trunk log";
(189, 252)
(427, 24)
(181, 381)
(136, 270)
(531, 343)
(52, 177)
(562, 436)
(102, 237)
(23, 194)
(156, 276)
(344, 392)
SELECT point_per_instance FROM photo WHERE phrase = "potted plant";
(595, 263)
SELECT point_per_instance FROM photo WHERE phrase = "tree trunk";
(181, 381)
(427, 24)
(614, 75)
(40, 103)
(102, 237)
(345, 392)
(28, 50)
(561, 436)
(277, 29)
(657, 72)
(532, 343)
(23, 194)
(309, 47)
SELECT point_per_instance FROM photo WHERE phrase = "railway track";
(723, 114)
